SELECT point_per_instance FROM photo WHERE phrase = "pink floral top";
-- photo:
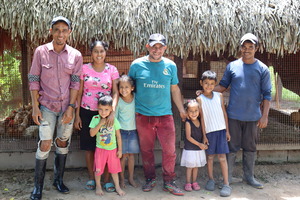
(96, 84)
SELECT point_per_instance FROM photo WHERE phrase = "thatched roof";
(195, 26)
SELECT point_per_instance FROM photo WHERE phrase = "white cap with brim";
(157, 38)
(250, 37)
(61, 19)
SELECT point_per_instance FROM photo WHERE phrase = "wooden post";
(24, 72)
(278, 88)
(177, 119)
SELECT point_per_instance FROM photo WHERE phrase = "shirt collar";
(51, 48)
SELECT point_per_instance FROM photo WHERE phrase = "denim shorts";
(130, 141)
(217, 142)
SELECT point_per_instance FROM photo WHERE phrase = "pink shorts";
(109, 157)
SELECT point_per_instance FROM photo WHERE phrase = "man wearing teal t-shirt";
(156, 83)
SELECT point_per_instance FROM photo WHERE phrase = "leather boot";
(248, 168)
(59, 169)
(39, 175)
(231, 163)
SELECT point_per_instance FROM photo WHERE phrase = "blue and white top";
(213, 113)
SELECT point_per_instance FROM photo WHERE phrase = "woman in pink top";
(97, 79)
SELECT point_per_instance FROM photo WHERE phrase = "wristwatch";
(72, 105)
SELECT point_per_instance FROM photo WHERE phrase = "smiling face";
(248, 50)
(208, 85)
(193, 111)
(98, 54)
(60, 32)
(125, 88)
(104, 110)
(156, 52)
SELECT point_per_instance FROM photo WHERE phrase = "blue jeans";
(52, 120)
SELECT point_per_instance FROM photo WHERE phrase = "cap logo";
(162, 40)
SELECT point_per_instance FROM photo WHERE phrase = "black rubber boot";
(59, 169)
(39, 175)
(248, 168)
(231, 163)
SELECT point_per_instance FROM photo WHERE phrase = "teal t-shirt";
(106, 136)
(125, 113)
(153, 82)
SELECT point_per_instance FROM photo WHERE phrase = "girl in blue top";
(125, 113)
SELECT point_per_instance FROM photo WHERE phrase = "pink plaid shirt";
(54, 74)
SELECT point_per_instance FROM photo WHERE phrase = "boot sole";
(257, 187)
(60, 191)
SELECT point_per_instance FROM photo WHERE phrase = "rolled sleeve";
(35, 71)
(75, 76)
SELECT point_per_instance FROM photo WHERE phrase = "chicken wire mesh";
(19, 133)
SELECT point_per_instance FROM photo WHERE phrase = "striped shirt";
(213, 113)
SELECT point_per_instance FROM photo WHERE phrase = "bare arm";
(225, 117)
(115, 97)
(119, 143)
(176, 96)
(78, 122)
(36, 113)
(220, 88)
(68, 114)
(205, 140)
(94, 131)
(263, 121)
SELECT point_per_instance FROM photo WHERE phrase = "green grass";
(286, 94)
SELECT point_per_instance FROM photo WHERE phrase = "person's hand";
(262, 122)
(228, 137)
(205, 140)
(78, 123)
(67, 116)
(36, 115)
(110, 119)
(183, 116)
(199, 92)
(119, 154)
(103, 121)
(203, 146)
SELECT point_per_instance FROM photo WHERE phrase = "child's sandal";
(188, 187)
(196, 186)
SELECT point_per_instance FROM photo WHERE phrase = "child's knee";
(222, 158)
(211, 157)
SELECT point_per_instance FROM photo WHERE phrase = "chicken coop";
(200, 35)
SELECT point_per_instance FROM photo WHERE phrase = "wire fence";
(19, 133)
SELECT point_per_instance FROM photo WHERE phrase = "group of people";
(118, 117)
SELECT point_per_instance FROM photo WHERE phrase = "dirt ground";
(281, 181)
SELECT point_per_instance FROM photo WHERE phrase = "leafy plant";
(10, 81)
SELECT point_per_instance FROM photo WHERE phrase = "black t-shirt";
(196, 133)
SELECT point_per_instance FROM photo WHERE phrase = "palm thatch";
(196, 26)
